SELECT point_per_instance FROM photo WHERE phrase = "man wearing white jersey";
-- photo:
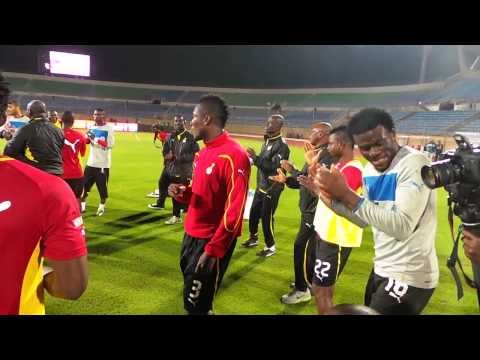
(400, 209)
(101, 140)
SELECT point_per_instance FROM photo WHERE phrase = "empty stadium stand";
(251, 107)
(433, 122)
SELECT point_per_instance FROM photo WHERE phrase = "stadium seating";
(87, 89)
(432, 122)
(398, 115)
(113, 108)
(145, 92)
(463, 89)
(136, 101)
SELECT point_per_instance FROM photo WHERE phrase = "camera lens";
(440, 174)
(428, 177)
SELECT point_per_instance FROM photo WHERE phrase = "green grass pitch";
(133, 255)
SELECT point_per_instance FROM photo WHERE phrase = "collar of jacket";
(267, 139)
(219, 140)
(180, 135)
(38, 119)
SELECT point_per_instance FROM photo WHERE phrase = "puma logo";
(5, 205)
(72, 146)
(210, 169)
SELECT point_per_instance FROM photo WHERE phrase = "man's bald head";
(36, 108)
(320, 132)
(323, 126)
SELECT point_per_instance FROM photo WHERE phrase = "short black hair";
(216, 107)
(4, 93)
(368, 119)
(67, 118)
(99, 110)
(343, 132)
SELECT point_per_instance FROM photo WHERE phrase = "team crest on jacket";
(210, 169)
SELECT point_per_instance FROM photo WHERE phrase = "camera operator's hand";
(471, 246)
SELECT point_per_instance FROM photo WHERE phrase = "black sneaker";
(266, 253)
(156, 207)
(250, 242)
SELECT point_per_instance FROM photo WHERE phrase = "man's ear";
(207, 120)
(394, 134)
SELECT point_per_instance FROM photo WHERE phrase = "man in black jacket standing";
(178, 152)
(39, 143)
(268, 192)
(315, 151)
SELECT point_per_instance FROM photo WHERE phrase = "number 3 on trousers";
(196, 287)
(321, 268)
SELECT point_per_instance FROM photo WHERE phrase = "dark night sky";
(258, 66)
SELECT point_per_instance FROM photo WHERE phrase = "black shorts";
(199, 289)
(76, 185)
(391, 297)
(326, 262)
(98, 176)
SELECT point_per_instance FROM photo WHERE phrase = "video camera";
(459, 173)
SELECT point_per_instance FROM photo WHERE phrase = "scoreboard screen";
(63, 63)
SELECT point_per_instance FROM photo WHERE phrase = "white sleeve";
(111, 138)
(411, 199)
(341, 210)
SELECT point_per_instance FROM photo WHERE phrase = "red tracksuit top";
(217, 194)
